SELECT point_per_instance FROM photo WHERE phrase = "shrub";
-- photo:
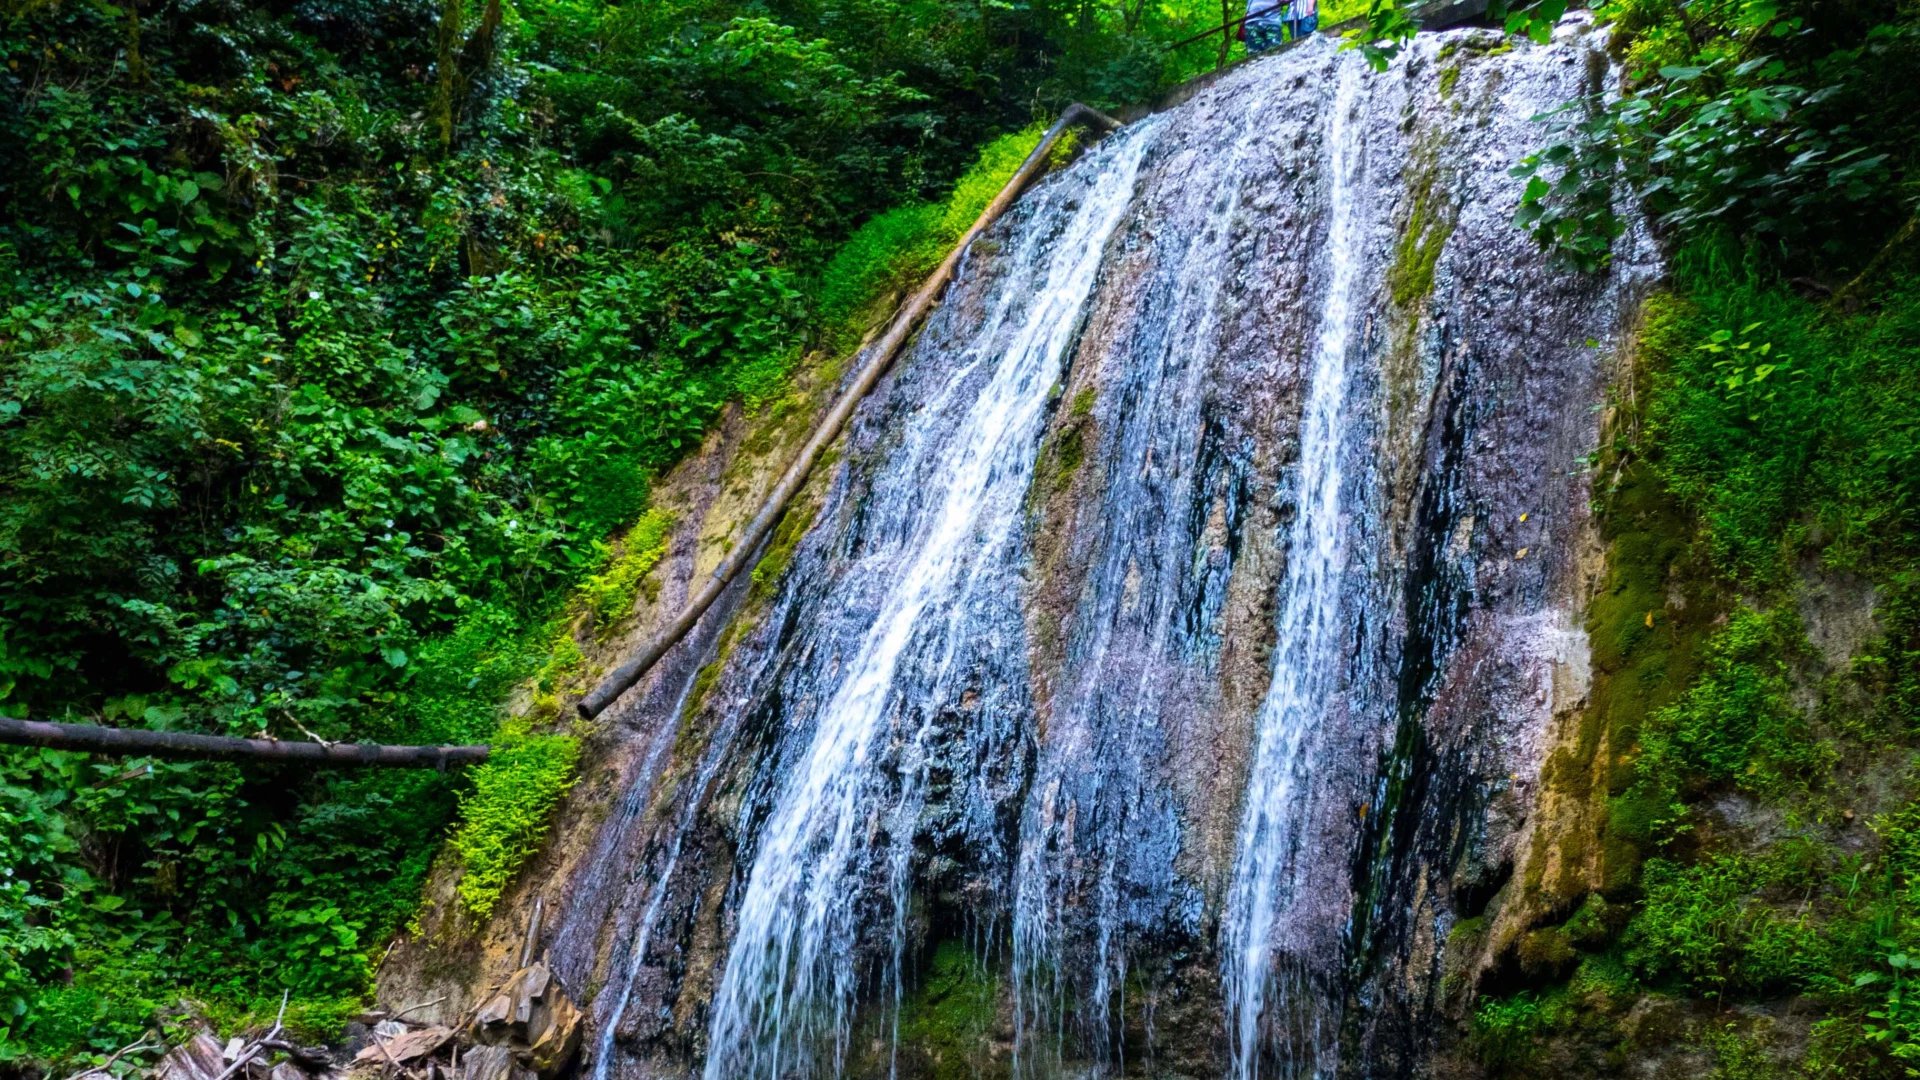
(506, 815)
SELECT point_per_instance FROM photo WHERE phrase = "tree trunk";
(1226, 33)
(136, 67)
(453, 13)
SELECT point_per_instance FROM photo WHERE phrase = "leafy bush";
(609, 595)
(1705, 927)
(1781, 123)
(1823, 455)
(1506, 1031)
(1736, 724)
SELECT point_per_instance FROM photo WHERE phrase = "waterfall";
(1245, 442)
(1306, 660)
(788, 982)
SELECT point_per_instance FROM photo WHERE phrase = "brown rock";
(492, 1063)
(532, 1017)
(199, 1058)
(553, 1033)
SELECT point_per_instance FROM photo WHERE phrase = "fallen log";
(139, 742)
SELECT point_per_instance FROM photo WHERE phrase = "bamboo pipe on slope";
(880, 357)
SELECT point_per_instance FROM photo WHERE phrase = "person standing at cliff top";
(1275, 22)
(1303, 18)
(1265, 25)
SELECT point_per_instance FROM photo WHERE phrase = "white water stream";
(1307, 649)
(1106, 724)
(788, 985)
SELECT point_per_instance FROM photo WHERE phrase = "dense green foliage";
(338, 340)
(1750, 861)
(1760, 840)
(1788, 123)
(503, 818)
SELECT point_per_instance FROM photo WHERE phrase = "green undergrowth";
(1759, 846)
(505, 814)
(609, 596)
(1506, 1030)
(894, 251)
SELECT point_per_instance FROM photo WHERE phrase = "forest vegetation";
(340, 341)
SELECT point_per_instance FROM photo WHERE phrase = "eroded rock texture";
(967, 785)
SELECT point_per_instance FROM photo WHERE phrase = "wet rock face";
(972, 785)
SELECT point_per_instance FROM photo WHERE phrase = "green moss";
(703, 681)
(1742, 1051)
(785, 542)
(1817, 456)
(1547, 953)
(1429, 224)
(609, 595)
(1068, 450)
(1590, 925)
(1449, 75)
(507, 812)
(950, 1019)
(1645, 628)
(1083, 402)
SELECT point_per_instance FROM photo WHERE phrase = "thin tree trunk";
(447, 64)
(1849, 294)
(136, 67)
(1226, 33)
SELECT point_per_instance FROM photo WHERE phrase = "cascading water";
(789, 981)
(1091, 664)
(1307, 654)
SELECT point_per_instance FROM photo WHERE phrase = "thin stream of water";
(1307, 651)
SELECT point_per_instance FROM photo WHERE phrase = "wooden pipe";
(879, 357)
(140, 742)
